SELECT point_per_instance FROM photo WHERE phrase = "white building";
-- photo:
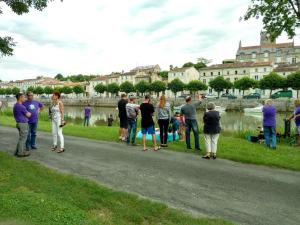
(94, 82)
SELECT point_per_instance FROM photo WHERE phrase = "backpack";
(131, 111)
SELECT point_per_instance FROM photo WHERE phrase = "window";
(244, 71)
(204, 74)
(256, 70)
(266, 54)
(278, 52)
(182, 74)
(211, 73)
(235, 79)
(228, 72)
(253, 55)
(283, 74)
(204, 81)
(256, 77)
(219, 73)
(294, 60)
(236, 72)
(265, 69)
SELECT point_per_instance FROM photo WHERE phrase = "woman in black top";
(212, 130)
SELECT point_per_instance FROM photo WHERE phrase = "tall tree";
(30, 89)
(278, 16)
(78, 89)
(271, 82)
(8, 91)
(164, 74)
(219, 84)
(59, 77)
(195, 86)
(113, 88)
(100, 88)
(39, 91)
(142, 87)
(67, 90)
(244, 84)
(157, 87)
(15, 90)
(18, 7)
(48, 90)
(176, 86)
(293, 81)
(127, 87)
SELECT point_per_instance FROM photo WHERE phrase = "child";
(110, 120)
(175, 126)
(181, 130)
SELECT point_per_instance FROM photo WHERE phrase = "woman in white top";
(57, 119)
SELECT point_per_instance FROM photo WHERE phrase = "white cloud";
(99, 37)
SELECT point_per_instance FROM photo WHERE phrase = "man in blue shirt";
(34, 107)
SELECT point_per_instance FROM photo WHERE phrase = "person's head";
(268, 102)
(147, 98)
(177, 114)
(110, 116)
(211, 106)
(29, 95)
(123, 96)
(162, 101)
(88, 105)
(297, 103)
(55, 96)
(188, 99)
(20, 97)
(132, 98)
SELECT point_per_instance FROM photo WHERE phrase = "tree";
(18, 7)
(67, 90)
(293, 81)
(175, 86)
(57, 89)
(100, 88)
(39, 91)
(278, 16)
(8, 91)
(164, 74)
(30, 89)
(113, 88)
(59, 77)
(48, 90)
(15, 90)
(244, 84)
(2, 91)
(219, 84)
(195, 85)
(142, 87)
(188, 64)
(77, 89)
(271, 82)
(127, 87)
(157, 87)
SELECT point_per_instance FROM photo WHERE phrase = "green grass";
(34, 195)
(231, 145)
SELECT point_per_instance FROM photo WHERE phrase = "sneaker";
(34, 147)
(197, 149)
(134, 144)
(26, 154)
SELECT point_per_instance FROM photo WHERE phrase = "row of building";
(252, 61)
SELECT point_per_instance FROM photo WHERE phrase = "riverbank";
(33, 194)
(232, 146)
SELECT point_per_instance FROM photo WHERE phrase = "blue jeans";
(270, 133)
(86, 121)
(132, 126)
(192, 125)
(31, 137)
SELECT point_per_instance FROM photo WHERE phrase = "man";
(123, 117)
(189, 112)
(132, 110)
(269, 123)
(87, 115)
(34, 107)
(21, 116)
(147, 111)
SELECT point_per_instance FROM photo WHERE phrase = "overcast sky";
(101, 36)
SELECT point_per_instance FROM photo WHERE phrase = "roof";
(287, 68)
(99, 78)
(237, 65)
(274, 45)
(183, 69)
(150, 67)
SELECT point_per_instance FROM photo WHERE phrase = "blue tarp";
(149, 137)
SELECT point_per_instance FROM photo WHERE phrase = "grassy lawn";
(34, 195)
(231, 146)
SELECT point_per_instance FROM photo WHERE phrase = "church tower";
(264, 39)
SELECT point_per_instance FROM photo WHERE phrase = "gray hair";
(211, 106)
(269, 102)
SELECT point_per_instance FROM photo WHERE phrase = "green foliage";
(15, 90)
(8, 91)
(188, 64)
(196, 85)
(2, 91)
(219, 84)
(271, 82)
(100, 88)
(278, 16)
(244, 84)
(78, 89)
(67, 90)
(48, 90)
(157, 87)
(57, 89)
(127, 87)
(30, 89)
(75, 78)
(113, 88)
(175, 86)
(293, 81)
(59, 77)
(38, 91)
(198, 65)
(164, 74)
(142, 87)
(6, 46)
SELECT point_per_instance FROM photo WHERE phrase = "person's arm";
(62, 110)
(26, 113)
(41, 107)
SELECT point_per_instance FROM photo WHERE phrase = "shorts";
(148, 130)
(123, 123)
(298, 130)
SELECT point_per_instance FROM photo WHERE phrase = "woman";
(212, 131)
(269, 123)
(57, 119)
(296, 117)
(163, 117)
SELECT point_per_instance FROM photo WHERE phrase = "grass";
(231, 145)
(34, 195)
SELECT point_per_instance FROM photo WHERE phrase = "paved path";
(241, 193)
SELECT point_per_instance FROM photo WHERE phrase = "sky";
(103, 36)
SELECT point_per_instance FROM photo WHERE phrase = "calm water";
(231, 121)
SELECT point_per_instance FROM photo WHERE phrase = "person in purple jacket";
(21, 116)
(87, 115)
(296, 117)
(269, 123)
(34, 107)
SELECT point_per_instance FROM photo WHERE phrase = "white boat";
(257, 109)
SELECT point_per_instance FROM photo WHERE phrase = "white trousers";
(211, 142)
(57, 132)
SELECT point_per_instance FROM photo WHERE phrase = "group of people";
(168, 122)
(26, 111)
